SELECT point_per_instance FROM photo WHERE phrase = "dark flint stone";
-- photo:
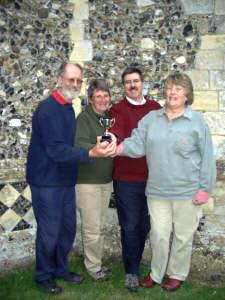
(65, 24)
(38, 23)
(2, 10)
(135, 64)
(12, 56)
(3, 208)
(189, 46)
(39, 84)
(33, 52)
(48, 72)
(144, 19)
(10, 91)
(2, 29)
(17, 5)
(22, 225)
(103, 36)
(129, 39)
(43, 13)
(188, 30)
(48, 36)
(133, 53)
(69, 15)
(17, 32)
(6, 86)
(16, 66)
(13, 110)
(65, 44)
(97, 58)
(26, 33)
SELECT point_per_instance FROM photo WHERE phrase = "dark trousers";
(134, 221)
(54, 210)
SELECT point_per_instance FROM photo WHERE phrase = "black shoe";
(49, 286)
(74, 278)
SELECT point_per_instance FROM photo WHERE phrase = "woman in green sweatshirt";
(94, 181)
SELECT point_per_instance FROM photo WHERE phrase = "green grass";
(19, 285)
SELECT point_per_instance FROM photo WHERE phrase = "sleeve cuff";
(119, 149)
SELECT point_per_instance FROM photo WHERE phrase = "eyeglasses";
(72, 80)
(127, 82)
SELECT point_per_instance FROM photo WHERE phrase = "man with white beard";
(51, 172)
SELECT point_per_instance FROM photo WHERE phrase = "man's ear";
(59, 81)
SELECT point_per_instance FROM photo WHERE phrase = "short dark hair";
(183, 80)
(130, 70)
(64, 65)
(97, 84)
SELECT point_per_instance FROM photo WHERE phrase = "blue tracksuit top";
(179, 154)
(52, 158)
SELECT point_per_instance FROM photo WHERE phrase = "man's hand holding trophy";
(106, 144)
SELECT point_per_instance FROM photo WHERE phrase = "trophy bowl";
(106, 123)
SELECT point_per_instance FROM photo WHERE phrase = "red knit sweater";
(127, 116)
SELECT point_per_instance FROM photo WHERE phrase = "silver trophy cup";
(106, 123)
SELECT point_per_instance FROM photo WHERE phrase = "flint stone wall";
(106, 36)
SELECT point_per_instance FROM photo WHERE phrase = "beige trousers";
(182, 219)
(92, 203)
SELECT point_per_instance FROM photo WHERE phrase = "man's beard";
(68, 93)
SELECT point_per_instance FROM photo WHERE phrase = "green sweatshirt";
(88, 128)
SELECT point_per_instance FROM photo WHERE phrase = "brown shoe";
(172, 284)
(147, 282)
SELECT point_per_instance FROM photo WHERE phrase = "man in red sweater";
(130, 175)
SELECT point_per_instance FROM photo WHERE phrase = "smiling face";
(178, 91)
(133, 86)
(70, 82)
(175, 96)
(100, 101)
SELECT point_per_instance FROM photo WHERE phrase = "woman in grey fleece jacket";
(179, 151)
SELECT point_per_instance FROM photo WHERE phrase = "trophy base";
(106, 138)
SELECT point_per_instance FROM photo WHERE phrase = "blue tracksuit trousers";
(54, 210)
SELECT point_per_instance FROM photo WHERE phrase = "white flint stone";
(163, 52)
(16, 84)
(39, 73)
(22, 135)
(46, 92)
(5, 46)
(56, 6)
(158, 12)
(142, 3)
(15, 123)
(189, 39)
(147, 43)
(2, 93)
(28, 27)
(181, 60)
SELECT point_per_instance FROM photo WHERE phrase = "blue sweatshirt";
(52, 158)
(179, 154)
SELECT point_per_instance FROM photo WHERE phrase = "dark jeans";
(134, 221)
(54, 210)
